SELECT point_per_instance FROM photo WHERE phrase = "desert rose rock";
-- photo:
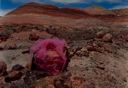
(49, 55)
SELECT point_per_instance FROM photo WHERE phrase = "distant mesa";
(97, 10)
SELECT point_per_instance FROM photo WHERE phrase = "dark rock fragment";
(3, 68)
(14, 75)
(17, 67)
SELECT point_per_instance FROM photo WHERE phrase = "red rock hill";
(36, 8)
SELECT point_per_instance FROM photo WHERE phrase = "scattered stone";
(3, 37)
(108, 48)
(100, 34)
(84, 49)
(78, 82)
(91, 48)
(17, 67)
(59, 83)
(107, 37)
(26, 51)
(82, 53)
(33, 36)
(1, 47)
(10, 46)
(126, 38)
(14, 75)
(3, 68)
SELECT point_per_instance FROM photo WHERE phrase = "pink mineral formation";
(50, 55)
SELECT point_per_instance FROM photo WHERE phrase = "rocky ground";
(98, 56)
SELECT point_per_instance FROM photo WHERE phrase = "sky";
(9, 5)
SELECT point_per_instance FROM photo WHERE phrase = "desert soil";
(98, 55)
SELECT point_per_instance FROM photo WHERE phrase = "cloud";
(25, 1)
(108, 1)
(89, 1)
(120, 7)
(113, 1)
(4, 12)
(70, 1)
(67, 1)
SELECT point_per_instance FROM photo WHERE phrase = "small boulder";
(91, 48)
(3, 36)
(14, 75)
(3, 68)
(107, 37)
(100, 34)
(126, 38)
(17, 67)
(10, 46)
(33, 36)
